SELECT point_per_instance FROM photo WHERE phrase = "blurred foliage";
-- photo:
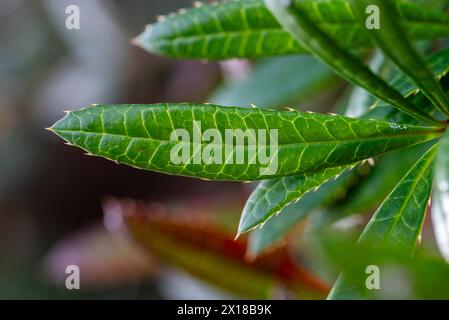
(194, 243)
(50, 197)
(45, 69)
(276, 82)
(401, 276)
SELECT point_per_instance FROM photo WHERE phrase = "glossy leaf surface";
(247, 29)
(274, 229)
(194, 243)
(146, 137)
(390, 37)
(297, 21)
(272, 195)
(398, 221)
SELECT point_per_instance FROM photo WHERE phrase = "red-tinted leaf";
(193, 242)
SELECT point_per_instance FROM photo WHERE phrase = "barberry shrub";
(399, 101)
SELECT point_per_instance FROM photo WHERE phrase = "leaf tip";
(242, 228)
(145, 39)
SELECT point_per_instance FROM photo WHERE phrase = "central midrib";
(407, 134)
(278, 29)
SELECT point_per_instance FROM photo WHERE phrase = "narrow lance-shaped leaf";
(364, 105)
(296, 21)
(389, 169)
(393, 164)
(384, 176)
(360, 100)
(387, 113)
(230, 143)
(392, 39)
(197, 245)
(247, 29)
(398, 221)
(440, 197)
(272, 195)
(439, 64)
(277, 226)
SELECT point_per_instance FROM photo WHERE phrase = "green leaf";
(147, 137)
(391, 38)
(273, 229)
(247, 29)
(277, 82)
(438, 62)
(387, 113)
(272, 195)
(386, 173)
(398, 221)
(422, 276)
(372, 190)
(391, 114)
(297, 21)
(360, 100)
(389, 169)
(440, 197)
(205, 250)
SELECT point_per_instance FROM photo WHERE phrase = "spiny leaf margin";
(139, 135)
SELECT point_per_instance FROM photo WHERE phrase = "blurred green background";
(51, 195)
(48, 190)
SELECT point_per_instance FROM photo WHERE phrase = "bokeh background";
(51, 195)
(53, 198)
(47, 189)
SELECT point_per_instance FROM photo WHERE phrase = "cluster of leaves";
(399, 100)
